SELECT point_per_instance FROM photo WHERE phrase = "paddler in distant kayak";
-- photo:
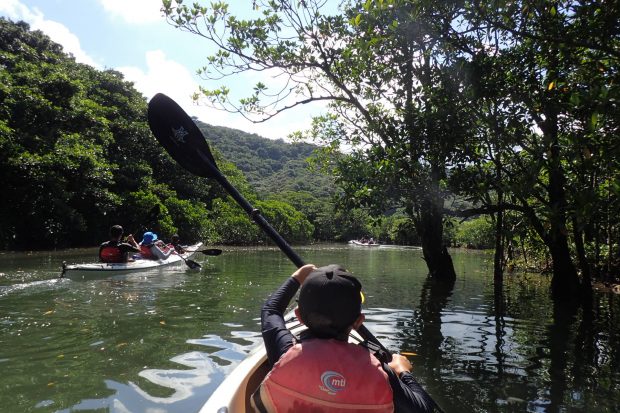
(175, 242)
(115, 251)
(322, 371)
(153, 248)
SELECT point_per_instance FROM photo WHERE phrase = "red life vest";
(145, 251)
(111, 254)
(327, 376)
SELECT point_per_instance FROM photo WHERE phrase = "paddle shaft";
(252, 212)
(209, 251)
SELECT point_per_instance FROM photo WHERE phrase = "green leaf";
(575, 99)
(594, 120)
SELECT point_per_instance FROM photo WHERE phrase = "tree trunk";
(430, 229)
(584, 265)
(597, 251)
(565, 282)
(498, 268)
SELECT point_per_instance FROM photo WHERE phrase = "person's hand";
(400, 363)
(302, 273)
(131, 241)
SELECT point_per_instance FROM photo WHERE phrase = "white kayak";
(363, 244)
(233, 394)
(87, 270)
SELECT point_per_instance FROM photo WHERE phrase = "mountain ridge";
(271, 166)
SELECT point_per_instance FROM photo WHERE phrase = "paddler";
(115, 251)
(175, 242)
(151, 247)
(322, 371)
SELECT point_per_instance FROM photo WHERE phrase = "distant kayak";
(364, 244)
(91, 270)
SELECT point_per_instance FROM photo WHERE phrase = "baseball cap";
(330, 300)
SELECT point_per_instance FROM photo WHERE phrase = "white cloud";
(13, 9)
(135, 11)
(59, 33)
(70, 42)
(166, 76)
(162, 75)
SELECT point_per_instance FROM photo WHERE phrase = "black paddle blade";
(180, 136)
(193, 264)
(212, 252)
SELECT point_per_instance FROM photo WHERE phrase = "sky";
(133, 37)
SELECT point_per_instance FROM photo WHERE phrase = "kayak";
(233, 394)
(363, 244)
(88, 270)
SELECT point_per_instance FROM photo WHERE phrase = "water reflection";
(181, 386)
(511, 352)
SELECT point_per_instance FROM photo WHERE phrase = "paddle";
(213, 252)
(180, 136)
(190, 263)
(182, 139)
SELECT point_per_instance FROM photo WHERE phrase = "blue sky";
(132, 36)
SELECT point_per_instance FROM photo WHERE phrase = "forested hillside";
(271, 166)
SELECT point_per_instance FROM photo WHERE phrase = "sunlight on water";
(33, 287)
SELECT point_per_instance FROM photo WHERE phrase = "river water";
(161, 341)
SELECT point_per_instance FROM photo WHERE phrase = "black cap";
(330, 301)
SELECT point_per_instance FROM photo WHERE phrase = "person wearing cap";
(113, 250)
(175, 242)
(153, 248)
(320, 371)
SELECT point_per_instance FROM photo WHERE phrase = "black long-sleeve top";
(409, 396)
